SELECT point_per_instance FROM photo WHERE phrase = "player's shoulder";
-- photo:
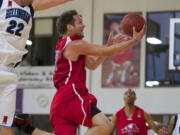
(139, 108)
(113, 117)
(78, 42)
(120, 111)
(31, 10)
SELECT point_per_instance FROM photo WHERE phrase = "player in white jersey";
(175, 125)
(15, 25)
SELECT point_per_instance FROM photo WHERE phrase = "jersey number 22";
(15, 28)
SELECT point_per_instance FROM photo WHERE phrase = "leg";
(22, 122)
(40, 132)
(100, 125)
(8, 83)
(6, 131)
(60, 118)
(63, 127)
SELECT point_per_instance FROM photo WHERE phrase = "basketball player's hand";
(110, 39)
(121, 37)
(117, 39)
(163, 131)
(139, 35)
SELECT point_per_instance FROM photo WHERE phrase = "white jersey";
(15, 26)
(177, 126)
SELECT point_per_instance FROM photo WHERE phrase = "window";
(157, 50)
(44, 38)
(37, 67)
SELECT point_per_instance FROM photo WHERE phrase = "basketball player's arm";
(92, 62)
(45, 4)
(150, 122)
(172, 124)
(113, 121)
(80, 47)
(153, 126)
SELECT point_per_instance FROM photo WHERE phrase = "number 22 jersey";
(15, 26)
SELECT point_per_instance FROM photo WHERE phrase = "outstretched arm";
(80, 47)
(150, 122)
(153, 126)
(172, 124)
(92, 62)
(45, 4)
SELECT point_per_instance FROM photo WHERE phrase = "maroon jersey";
(68, 72)
(71, 105)
(131, 126)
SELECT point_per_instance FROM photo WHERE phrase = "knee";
(108, 127)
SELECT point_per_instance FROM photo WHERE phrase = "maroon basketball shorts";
(70, 110)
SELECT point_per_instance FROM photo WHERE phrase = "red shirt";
(131, 126)
(68, 72)
(71, 104)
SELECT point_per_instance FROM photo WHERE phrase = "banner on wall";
(35, 77)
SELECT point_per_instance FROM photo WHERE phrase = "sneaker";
(21, 121)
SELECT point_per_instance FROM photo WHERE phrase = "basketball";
(130, 20)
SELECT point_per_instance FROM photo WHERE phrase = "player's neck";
(129, 111)
(67, 35)
(129, 108)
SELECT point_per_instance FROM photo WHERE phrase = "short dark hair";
(131, 91)
(64, 19)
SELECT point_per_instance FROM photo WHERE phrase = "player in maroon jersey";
(72, 105)
(131, 120)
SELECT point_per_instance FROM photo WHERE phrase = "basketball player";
(175, 125)
(131, 120)
(15, 24)
(72, 105)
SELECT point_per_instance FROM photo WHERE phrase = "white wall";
(153, 100)
(37, 101)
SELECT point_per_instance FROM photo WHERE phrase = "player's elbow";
(92, 67)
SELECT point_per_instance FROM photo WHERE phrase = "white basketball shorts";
(8, 84)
